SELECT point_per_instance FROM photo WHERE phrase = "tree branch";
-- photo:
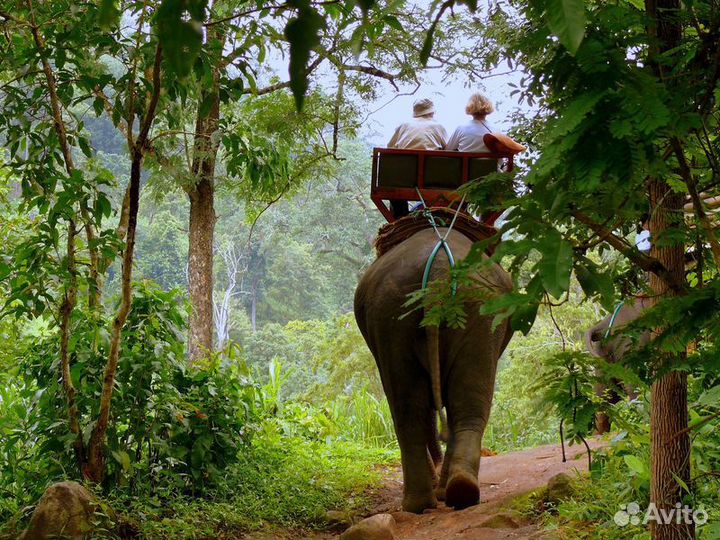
(649, 264)
(691, 184)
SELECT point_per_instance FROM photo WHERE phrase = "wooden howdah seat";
(398, 175)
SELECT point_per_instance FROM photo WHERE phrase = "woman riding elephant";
(467, 364)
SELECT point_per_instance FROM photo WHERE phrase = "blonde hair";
(479, 105)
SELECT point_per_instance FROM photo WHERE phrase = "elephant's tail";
(433, 345)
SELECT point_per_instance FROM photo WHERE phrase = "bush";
(173, 426)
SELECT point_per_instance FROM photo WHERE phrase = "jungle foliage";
(113, 114)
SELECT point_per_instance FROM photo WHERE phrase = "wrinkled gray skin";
(468, 361)
(613, 349)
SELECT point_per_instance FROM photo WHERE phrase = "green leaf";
(108, 14)
(103, 208)
(556, 264)
(710, 397)
(85, 147)
(303, 33)
(681, 483)
(636, 465)
(523, 317)
(596, 283)
(98, 106)
(181, 39)
(393, 22)
(122, 458)
(427, 45)
(566, 19)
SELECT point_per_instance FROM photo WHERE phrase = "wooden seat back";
(398, 174)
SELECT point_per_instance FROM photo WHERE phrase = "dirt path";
(503, 478)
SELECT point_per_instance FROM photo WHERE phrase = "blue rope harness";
(442, 243)
(614, 316)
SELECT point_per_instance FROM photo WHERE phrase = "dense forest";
(185, 215)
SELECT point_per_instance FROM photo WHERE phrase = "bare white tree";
(235, 265)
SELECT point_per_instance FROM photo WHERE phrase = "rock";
(337, 518)
(377, 527)
(65, 510)
(559, 487)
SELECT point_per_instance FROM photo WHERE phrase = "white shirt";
(419, 134)
(469, 138)
(642, 241)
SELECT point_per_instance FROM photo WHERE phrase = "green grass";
(279, 484)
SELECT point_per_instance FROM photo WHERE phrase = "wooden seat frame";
(432, 196)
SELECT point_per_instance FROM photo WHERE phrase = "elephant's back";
(393, 276)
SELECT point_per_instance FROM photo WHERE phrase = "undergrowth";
(620, 476)
(286, 483)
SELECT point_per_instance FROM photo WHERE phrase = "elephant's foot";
(462, 490)
(418, 503)
(440, 493)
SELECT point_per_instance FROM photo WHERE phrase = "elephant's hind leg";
(470, 388)
(462, 489)
(408, 389)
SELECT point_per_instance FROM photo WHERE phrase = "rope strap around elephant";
(442, 243)
(614, 316)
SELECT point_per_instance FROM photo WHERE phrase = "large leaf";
(710, 397)
(303, 33)
(566, 19)
(108, 14)
(636, 465)
(181, 39)
(523, 317)
(594, 282)
(556, 264)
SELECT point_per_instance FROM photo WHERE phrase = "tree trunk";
(669, 408)
(96, 451)
(202, 226)
(200, 268)
(253, 306)
(670, 451)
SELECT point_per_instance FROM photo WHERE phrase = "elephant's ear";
(592, 341)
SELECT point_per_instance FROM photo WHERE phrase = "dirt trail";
(503, 478)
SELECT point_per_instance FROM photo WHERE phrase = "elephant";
(405, 353)
(613, 349)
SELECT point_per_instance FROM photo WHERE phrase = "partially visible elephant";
(467, 364)
(614, 348)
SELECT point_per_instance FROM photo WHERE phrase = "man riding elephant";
(406, 353)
